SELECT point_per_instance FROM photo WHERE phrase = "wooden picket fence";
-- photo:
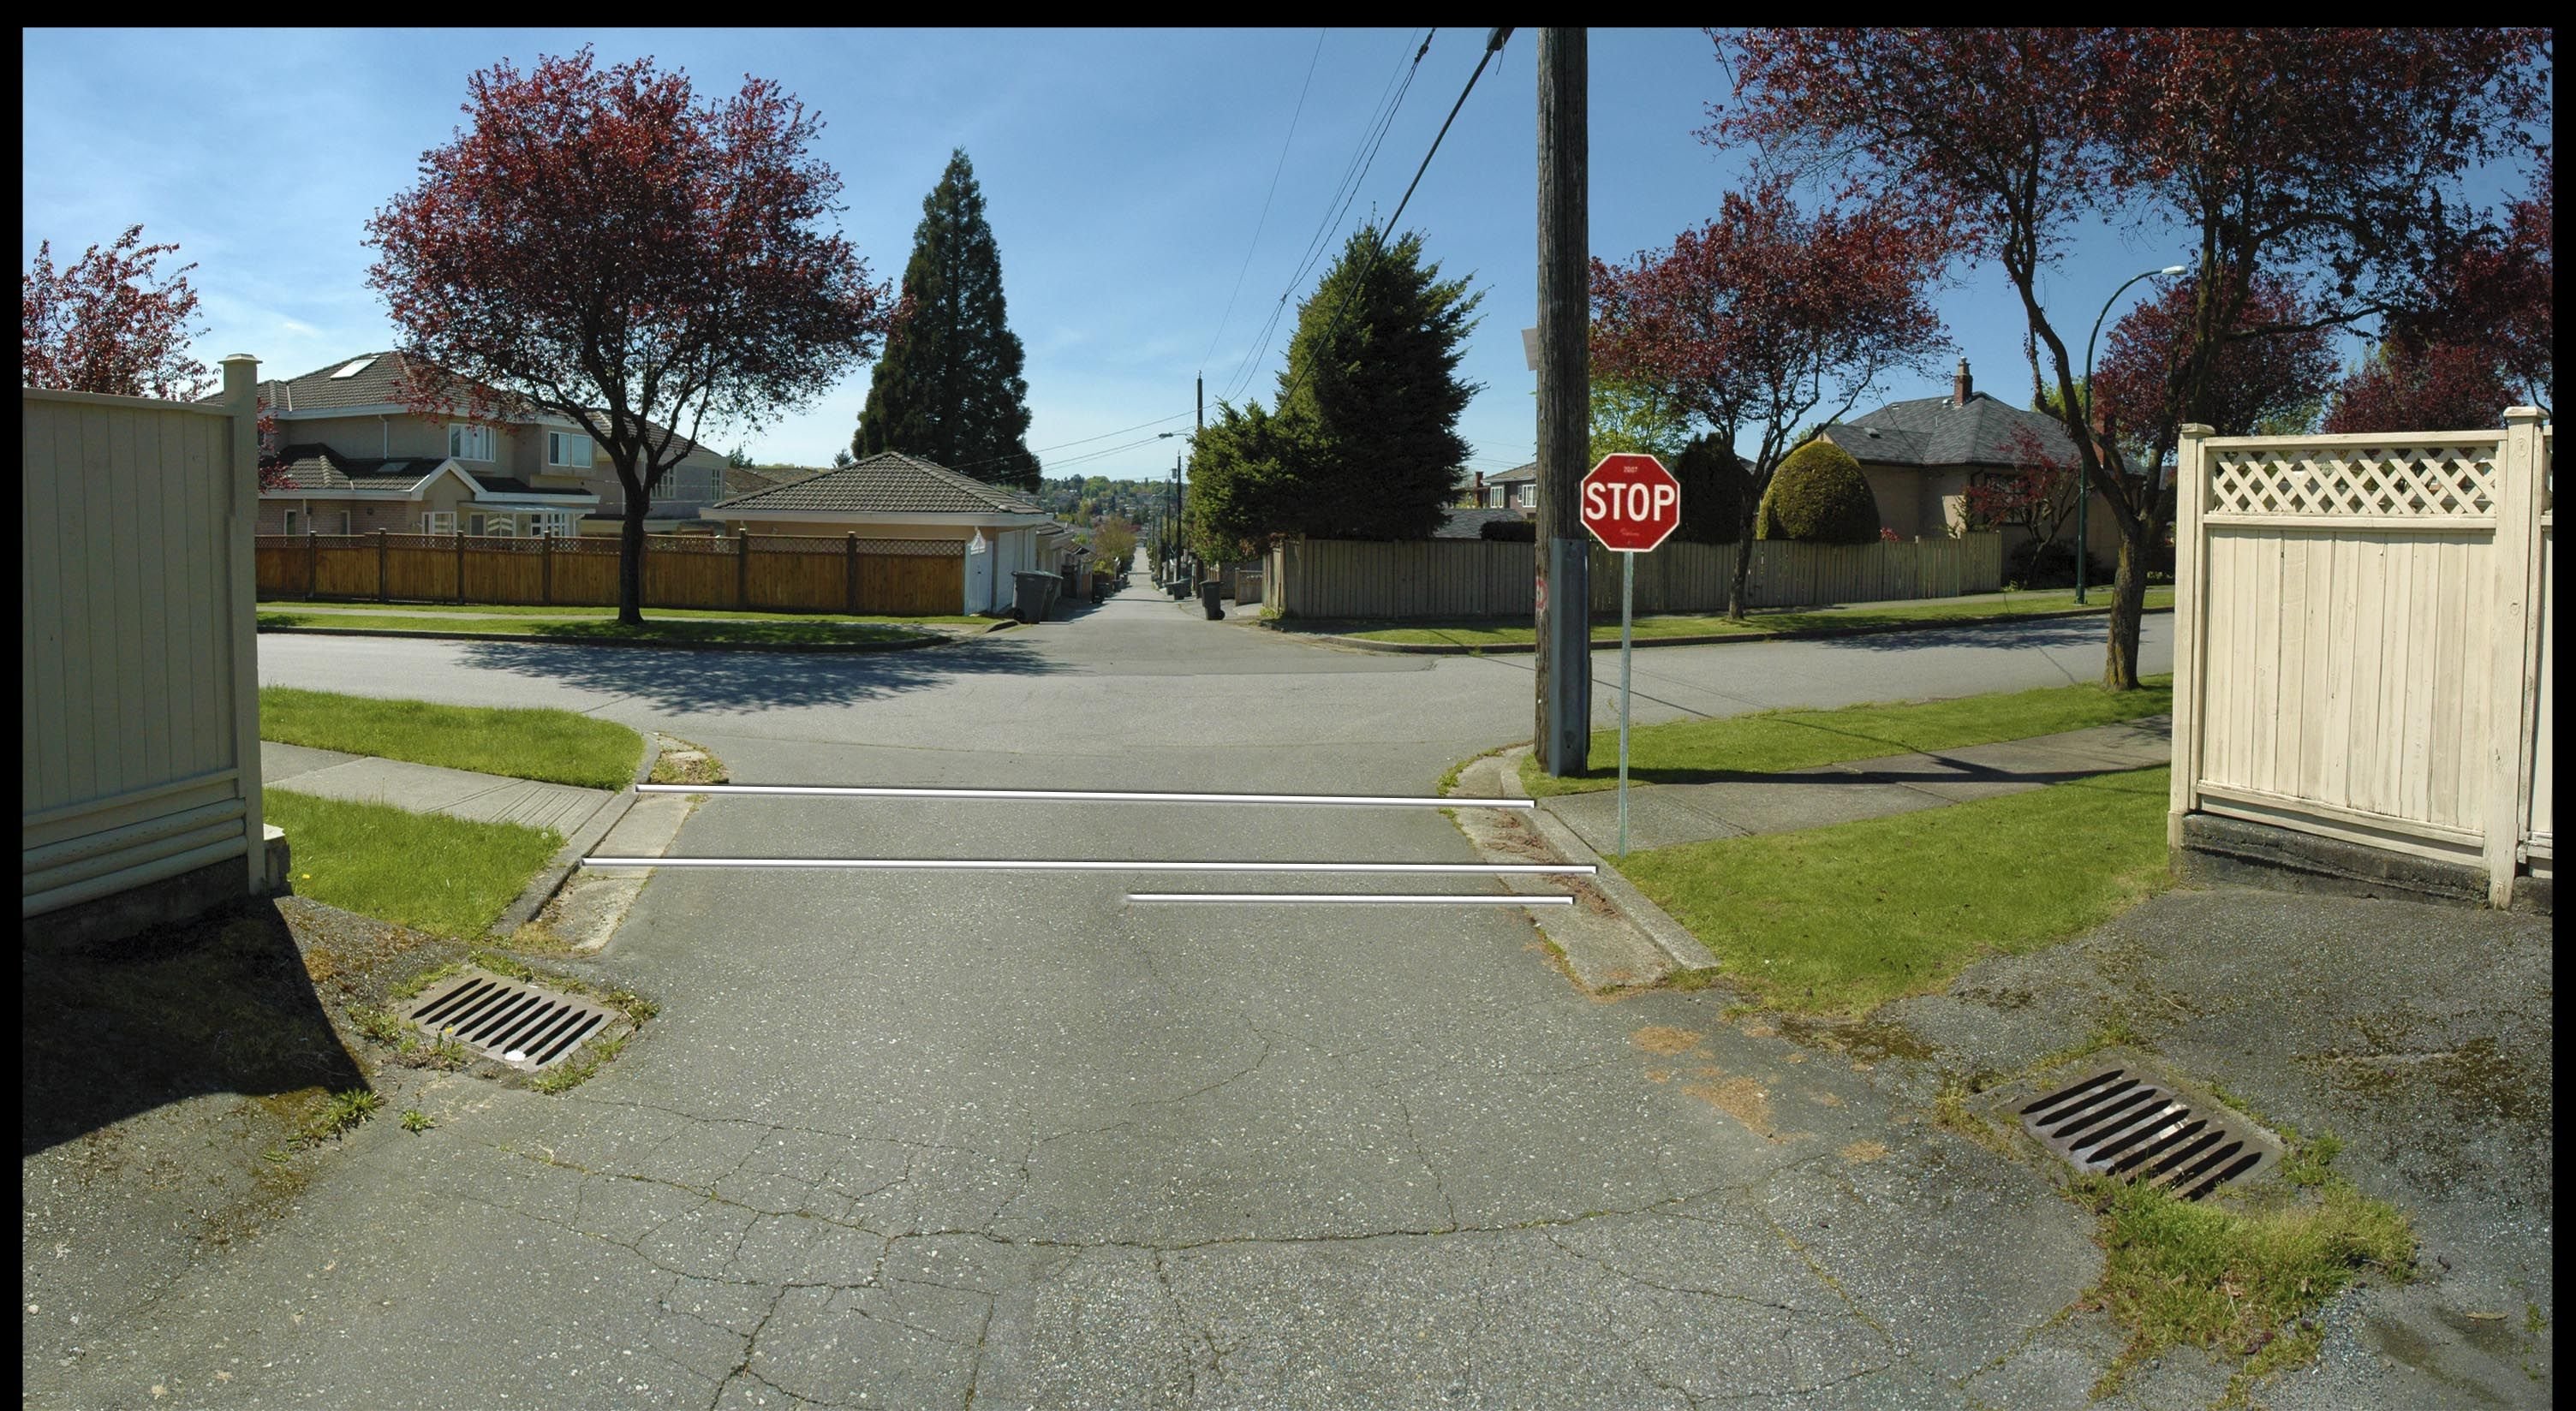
(756, 573)
(1445, 578)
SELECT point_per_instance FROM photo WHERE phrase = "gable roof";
(1516, 473)
(888, 482)
(1937, 431)
(382, 379)
(317, 467)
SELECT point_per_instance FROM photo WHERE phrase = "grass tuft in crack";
(344, 1111)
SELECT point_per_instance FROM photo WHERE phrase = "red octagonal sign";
(1631, 503)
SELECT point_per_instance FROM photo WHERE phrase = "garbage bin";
(1210, 601)
(1032, 595)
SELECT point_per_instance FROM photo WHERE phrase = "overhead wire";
(1263, 223)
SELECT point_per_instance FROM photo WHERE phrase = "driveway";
(1011, 1140)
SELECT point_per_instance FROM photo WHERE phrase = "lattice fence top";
(703, 544)
(2396, 482)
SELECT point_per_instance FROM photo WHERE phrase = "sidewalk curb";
(542, 888)
(1679, 947)
(1797, 635)
(834, 649)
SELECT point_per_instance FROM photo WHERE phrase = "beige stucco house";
(891, 495)
(1920, 456)
(359, 460)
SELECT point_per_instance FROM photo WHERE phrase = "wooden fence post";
(384, 594)
(546, 568)
(850, 574)
(460, 563)
(2513, 678)
(2191, 568)
(312, 557)
(742, 573)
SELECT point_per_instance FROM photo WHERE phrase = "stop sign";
(1631, 503)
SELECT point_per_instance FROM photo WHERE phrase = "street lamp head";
(2175, 269)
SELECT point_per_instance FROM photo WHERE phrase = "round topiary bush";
(1818, 496)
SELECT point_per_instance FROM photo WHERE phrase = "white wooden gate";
(2361, 639)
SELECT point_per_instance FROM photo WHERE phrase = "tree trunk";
(1743, 568)
(2128, 606)
(630, 563)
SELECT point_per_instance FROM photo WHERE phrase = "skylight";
(355, 367)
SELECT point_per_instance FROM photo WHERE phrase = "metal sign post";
(1631, 504)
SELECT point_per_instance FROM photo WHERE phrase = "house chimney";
(1960, 387)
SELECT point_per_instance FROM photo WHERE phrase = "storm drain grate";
(2120, 1124)
(520, 1024)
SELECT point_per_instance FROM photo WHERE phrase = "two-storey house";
(357, 459)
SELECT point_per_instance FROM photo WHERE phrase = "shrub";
(2032, 566)
(1819, 496)
(1513, 531)
(1712, 491)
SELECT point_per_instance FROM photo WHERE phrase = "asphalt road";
(1010, 1140)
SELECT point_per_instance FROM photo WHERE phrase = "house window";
(497, 526)
(438, 522)
(292, 527)
(345, 522)
(568, 448)
(554, 523)
(469, 441)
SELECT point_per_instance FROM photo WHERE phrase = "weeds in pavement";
(415, 1120)
(577, 1070)
(344, 1111)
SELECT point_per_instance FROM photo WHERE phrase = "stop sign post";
(1632, 505)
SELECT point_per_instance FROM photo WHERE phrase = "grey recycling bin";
(1209, 600)
(1033, 593)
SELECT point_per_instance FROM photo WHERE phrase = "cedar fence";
(2362, 640)
(753, 573)
(1439, 578)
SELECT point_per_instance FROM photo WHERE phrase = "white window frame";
(438, 522)
(550, 524)
(557, 443)
(470, 441)
(290, 521)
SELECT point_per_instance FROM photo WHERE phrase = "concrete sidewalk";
(1666, 815)
(427, 788)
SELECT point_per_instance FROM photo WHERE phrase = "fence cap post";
(2195, 428)
(2513, 415)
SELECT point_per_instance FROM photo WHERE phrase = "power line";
(1259, 225)
(1336, 209)
(1377, 242)
(1103, 436)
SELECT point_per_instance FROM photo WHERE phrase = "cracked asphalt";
(945, 1140)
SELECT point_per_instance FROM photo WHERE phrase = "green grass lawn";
(651, 614)
(1930, 613)
(559, 746)
(769, 632)
(1698, 751)
(427, 871)
(1839, 920)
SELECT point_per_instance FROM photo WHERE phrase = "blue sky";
(1124, 171)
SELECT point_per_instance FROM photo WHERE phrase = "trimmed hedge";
(1819, 496)
(1512, 531)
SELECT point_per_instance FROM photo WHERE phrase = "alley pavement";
(918, 1139)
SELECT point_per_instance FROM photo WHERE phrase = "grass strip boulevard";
(446, 876)
(1842, 919)
(1701, 751)
(681, 632)
(1489, 633)
(557, 746)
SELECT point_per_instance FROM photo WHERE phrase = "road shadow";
(2042, 632)
(679, 681)
(219, 1004)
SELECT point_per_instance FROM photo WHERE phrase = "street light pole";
(2083, 477)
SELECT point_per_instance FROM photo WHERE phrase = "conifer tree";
(949, 387)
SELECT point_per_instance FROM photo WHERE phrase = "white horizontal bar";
(980, 864)
(1550, 899)
(1079, 795)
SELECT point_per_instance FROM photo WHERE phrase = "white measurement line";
(1081, 795)
(1358, 898)
(979, 864)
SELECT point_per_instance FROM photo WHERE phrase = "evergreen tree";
(949, 387)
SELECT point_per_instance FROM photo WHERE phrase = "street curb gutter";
(1798, 635)
(830, 649)
(1679, 947)
(542, 888)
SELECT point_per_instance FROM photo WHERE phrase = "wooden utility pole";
(1563, 733)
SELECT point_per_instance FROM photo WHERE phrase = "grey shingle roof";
(1935, 431)
(317, 467)
(888, 482)
(1516, 473)
(506, 485)
(1470, 523)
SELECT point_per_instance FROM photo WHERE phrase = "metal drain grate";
(518, 1023)
(2120, 1124)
